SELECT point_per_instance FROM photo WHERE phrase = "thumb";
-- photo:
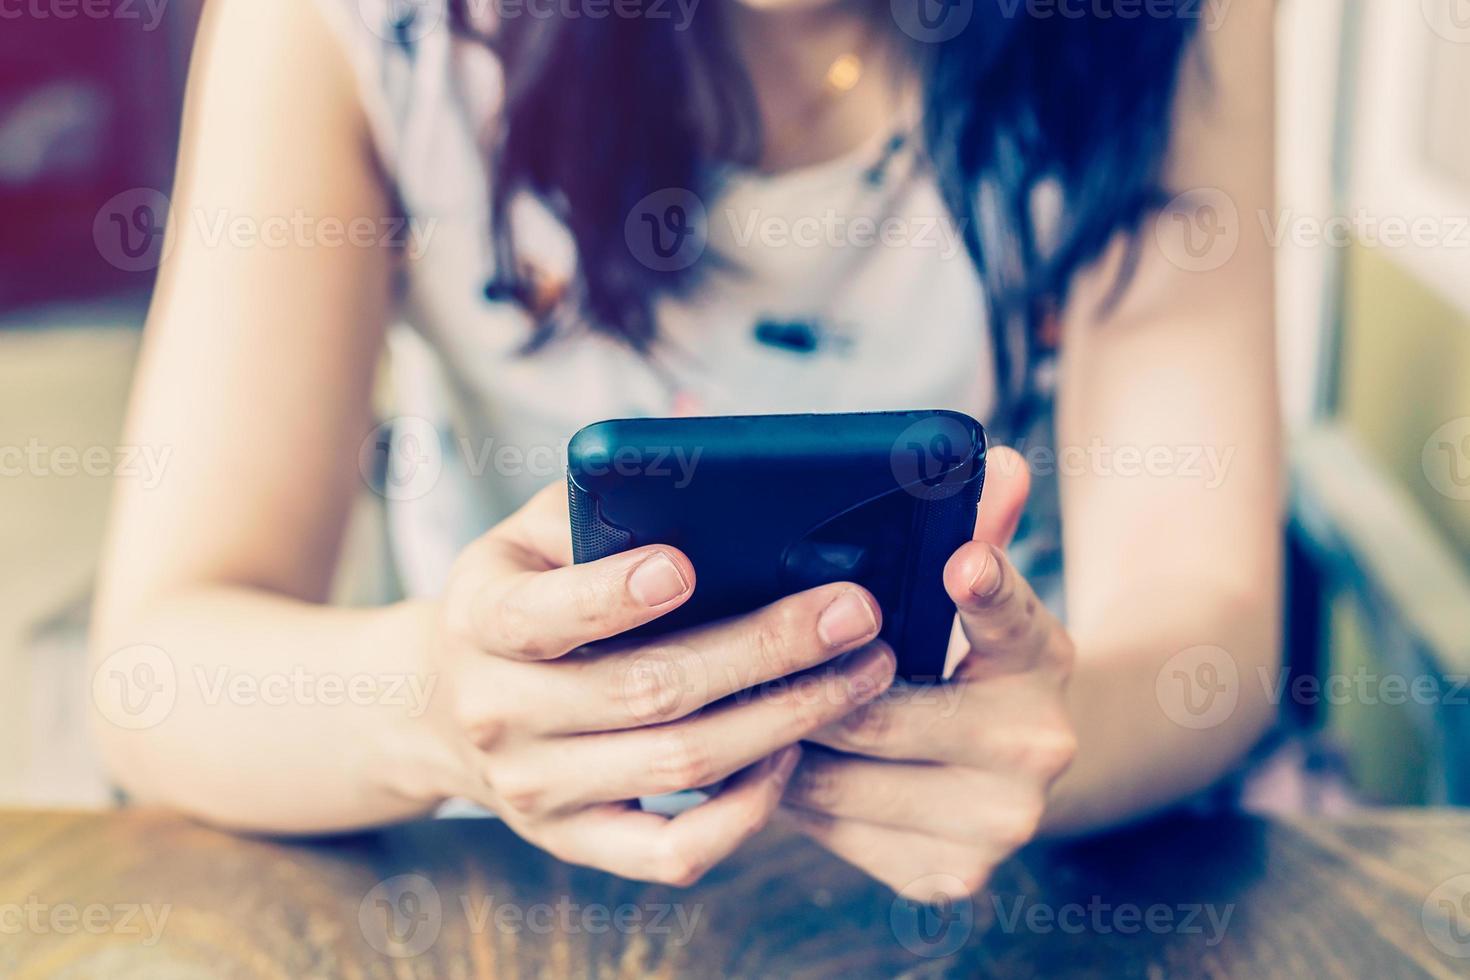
(541, 529)
(1007, 485)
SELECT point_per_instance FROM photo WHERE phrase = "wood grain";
(148, 895)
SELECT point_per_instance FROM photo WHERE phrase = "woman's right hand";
(560, 738)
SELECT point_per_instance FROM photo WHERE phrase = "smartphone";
(769, 505)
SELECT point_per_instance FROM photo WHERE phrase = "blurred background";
(1374, 314)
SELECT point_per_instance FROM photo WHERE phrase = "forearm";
(265, 713)
(1154, 723)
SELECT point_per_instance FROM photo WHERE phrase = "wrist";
(414, 756)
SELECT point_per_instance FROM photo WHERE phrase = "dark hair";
(599, 113)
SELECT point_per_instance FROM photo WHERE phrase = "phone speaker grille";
(592, 537)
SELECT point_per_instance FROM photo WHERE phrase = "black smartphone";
(769, 505)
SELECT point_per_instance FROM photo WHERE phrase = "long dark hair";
(600, 113)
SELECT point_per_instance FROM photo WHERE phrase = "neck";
(825, 78)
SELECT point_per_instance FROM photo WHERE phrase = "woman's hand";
(929, 789)
(557, 737)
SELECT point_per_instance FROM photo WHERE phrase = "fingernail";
(986, 582)
(873, 672)
(846, 620)
(786, 761)
(657, 580)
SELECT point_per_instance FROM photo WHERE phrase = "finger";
(506, 609)
(1007, 487)
(1010, 724)
(620, 687)
(566, 773)
(678, 851)
(1007, 627)
(917, 866)
(542, 526)
(908, 722)
(904, 796)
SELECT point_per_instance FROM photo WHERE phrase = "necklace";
(842, 76)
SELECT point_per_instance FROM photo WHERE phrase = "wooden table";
(142, 894)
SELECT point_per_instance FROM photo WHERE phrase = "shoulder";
(1228, 84)
(419, 70)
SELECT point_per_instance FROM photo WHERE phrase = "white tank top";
(857, 257)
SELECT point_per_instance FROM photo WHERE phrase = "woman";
(554, 164)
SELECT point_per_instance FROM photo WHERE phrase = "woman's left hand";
(929, 788)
